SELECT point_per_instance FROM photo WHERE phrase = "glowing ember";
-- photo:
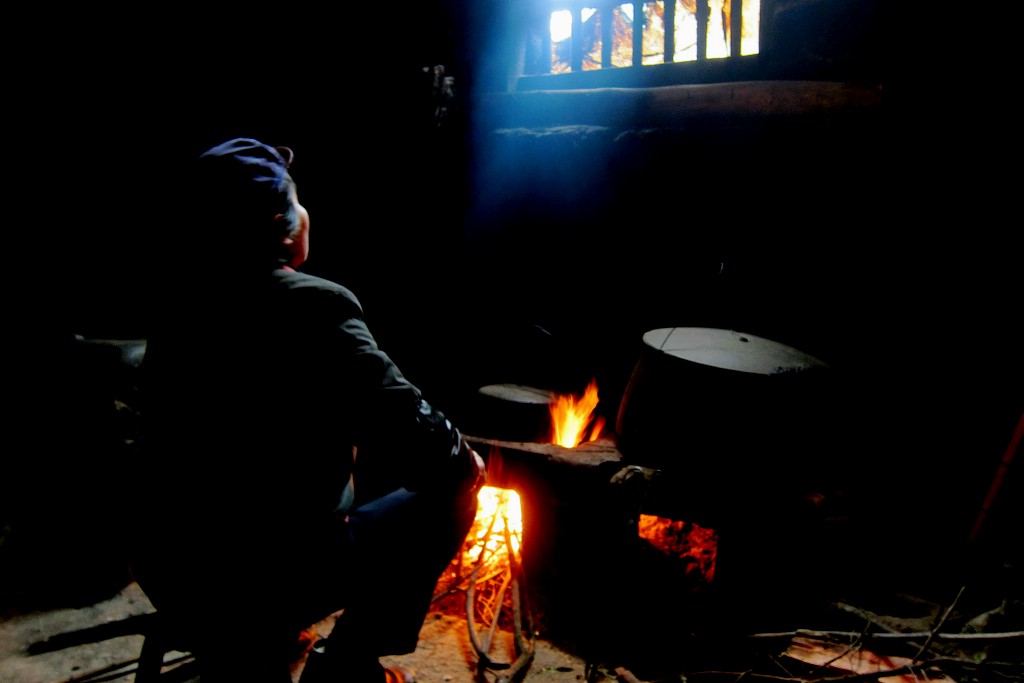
(682, 539)
(573, 420)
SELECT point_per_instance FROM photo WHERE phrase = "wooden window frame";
(538, 76)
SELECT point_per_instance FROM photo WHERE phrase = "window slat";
(576, 42)
(735, 28)
(638, 32)
(703, 14)
(670, 31)
(607, 18)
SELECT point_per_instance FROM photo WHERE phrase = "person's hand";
(475, 469)
(481, 469)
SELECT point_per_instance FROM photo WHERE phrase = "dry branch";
(938, 626)
(921, 672)
(947, 637)
(625, 676)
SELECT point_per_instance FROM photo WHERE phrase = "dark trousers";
(242, 618)
(401, 543)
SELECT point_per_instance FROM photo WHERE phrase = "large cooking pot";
(727, 415)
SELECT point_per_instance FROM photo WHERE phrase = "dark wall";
(110, 106)
(110, 109)
(884, 249)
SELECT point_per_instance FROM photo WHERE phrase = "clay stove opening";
(585, 540)
(485, 583)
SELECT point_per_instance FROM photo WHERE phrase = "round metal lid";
(517, 393)
(729, 350)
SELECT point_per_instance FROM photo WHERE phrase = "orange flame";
(571, 418)
(499, 510)
(492, 543)
(679, 539)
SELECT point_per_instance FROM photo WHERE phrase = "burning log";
(522, 621)
(494, 585)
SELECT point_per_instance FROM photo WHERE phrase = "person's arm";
(393, 420)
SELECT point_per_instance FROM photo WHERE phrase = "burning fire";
(486, 572)
(497, 527)
(572, 418)
(680, 539)
(498, 523)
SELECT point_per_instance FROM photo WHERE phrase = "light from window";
(561, 25)
(604, 35)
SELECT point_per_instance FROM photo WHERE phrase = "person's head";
(247, 207)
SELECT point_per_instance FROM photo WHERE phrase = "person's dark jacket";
(258, 395)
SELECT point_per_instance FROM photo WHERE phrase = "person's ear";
(288, 238)
(296, 244)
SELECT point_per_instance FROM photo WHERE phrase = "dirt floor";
(102, 642)
(778, 608)
(959, 641)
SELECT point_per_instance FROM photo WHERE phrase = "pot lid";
(517, 393)
(729, 350)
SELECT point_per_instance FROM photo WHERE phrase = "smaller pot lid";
(517, 393)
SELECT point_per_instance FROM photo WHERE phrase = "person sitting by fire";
(292, 471)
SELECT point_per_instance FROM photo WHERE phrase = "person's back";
(260, 385)
(248, 419)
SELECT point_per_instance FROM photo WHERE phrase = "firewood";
(623, 675)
